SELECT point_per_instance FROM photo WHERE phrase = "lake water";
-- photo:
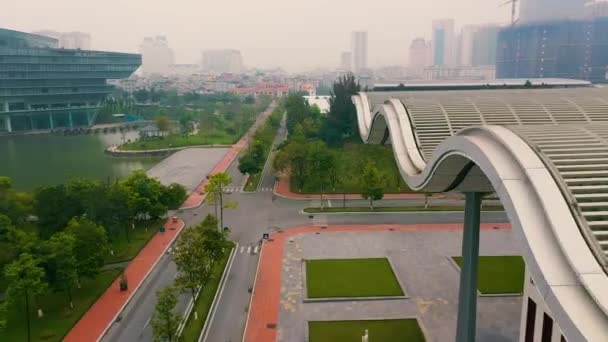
(35, 160)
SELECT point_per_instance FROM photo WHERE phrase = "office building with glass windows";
(44, 87)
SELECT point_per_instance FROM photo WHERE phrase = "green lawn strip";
(140, 236)
(391, 330)
(203, 302)
(499, 274)
(332, 278)
(393, 209)
(351, 159)
(177, 140)
(252, 182)
(58, 317)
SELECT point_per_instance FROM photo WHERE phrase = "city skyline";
(274, 31)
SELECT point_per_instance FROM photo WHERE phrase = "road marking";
(329, 203)
(248, 249)
(146, 324)
(242, 249)
(255, 250)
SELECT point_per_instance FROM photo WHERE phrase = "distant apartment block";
(69, 40)
(157, 55)
(223, 61)
(420, 56)
(44, 87)
(270, 89)
(443, 42)
(359, 51)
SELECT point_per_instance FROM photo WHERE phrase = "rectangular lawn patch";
(499, 274)
(392, 330)
(333, 278)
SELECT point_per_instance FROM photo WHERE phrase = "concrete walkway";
(266, 298)
(106, 309)
(197, 196)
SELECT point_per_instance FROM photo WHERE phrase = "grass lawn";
(139, 237)
(331, 278)
(499, 274)
(392, 330)
(393, 209)
(203, 302)
(252, 182)
(58, 317)
(352, 158)
(218, 138)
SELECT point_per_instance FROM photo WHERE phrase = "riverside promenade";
(95, 322)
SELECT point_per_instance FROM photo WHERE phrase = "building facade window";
(530, 321)
(547, 328)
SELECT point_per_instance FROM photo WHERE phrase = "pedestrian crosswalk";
(231, 190)
(249, 249)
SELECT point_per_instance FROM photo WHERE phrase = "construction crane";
(513, 8)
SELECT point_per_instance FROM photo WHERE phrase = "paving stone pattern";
(420, 261)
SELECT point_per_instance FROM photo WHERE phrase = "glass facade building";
(560, 49)
(45, 87)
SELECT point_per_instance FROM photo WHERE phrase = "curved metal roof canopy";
(544, 152)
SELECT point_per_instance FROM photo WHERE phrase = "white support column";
(51, 123)
(5, 107)
(7, 123)
(70, 122)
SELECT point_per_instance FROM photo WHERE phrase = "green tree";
(91, 247)
(60, 263)
(145, 195)
(372, 184)
(214, 241)
(341, 121)
(293, 158)
(25, 278)
(54, 209)
(192, 260)
(163, 123)
(173, 196)
(16, 205)
(320, 161)
(253, 160)
(297, 110)
(215, 191)
(164, 320)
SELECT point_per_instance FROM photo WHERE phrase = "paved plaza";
(421, 262)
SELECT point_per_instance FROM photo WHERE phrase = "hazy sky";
(294, 34)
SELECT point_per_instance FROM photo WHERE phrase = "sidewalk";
(282, 189)
(197, 196)
(98, 318)
(264, 310)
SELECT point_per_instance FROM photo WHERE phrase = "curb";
(103, 333)
(352, 299)
(218, 295)
(255, 280)
(302, 212)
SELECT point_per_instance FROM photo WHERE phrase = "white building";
(359, 51)
(223, 61)
(157, 57)
(467, 37)
(419, 56)
(443, 42)
(69, 40)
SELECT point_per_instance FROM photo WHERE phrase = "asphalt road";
(256, 214)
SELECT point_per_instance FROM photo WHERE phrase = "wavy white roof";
(544, 152)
